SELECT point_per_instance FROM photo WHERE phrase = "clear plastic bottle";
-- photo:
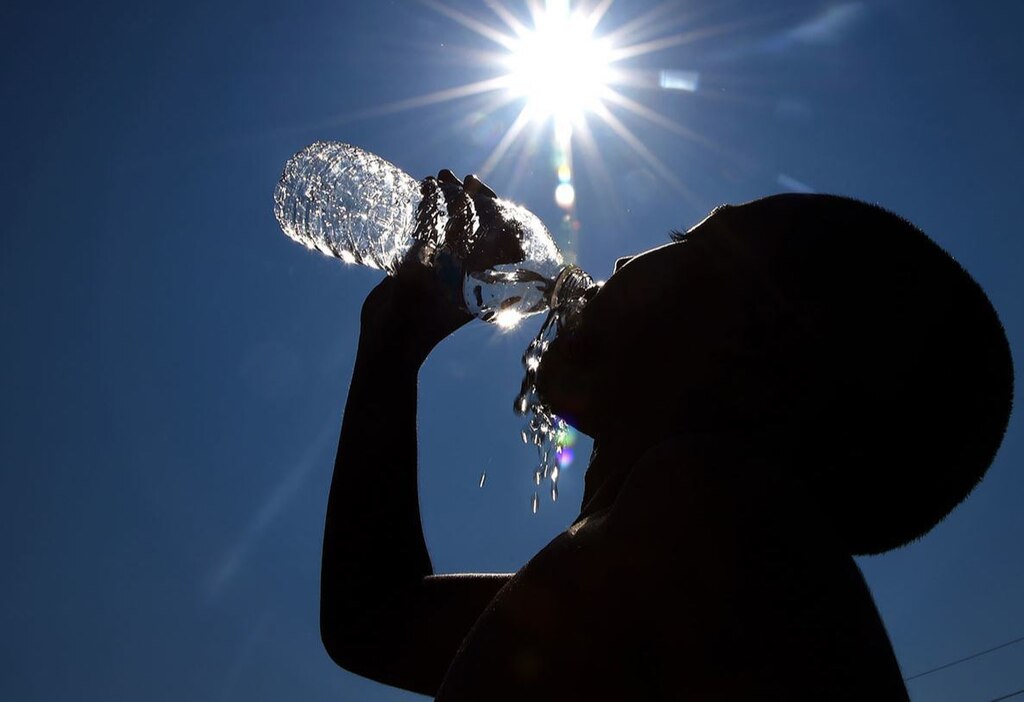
(498, 258)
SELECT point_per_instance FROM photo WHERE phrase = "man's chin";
(580, 426)
(565, 399)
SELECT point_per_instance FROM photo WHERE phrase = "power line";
(1006, 697)
(964, 660)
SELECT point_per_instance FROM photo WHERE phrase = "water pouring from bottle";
(544, 429)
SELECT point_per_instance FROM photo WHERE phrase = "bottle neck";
(570, 284)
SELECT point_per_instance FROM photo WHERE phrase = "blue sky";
(173, 369)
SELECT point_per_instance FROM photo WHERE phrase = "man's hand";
(411, 310)
(415, 309)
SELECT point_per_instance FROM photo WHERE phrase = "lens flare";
(569, 436)
(565, 196)
(565, 457)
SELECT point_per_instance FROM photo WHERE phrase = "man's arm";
(383, 614)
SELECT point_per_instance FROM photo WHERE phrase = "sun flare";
(559, 67)
(564, 68)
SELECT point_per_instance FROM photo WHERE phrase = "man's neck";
(610, 462)
(614, 456)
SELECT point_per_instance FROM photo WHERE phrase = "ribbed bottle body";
(348, 203)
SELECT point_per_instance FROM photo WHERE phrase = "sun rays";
(564, 69)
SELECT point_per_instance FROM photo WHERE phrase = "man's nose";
(619, 263)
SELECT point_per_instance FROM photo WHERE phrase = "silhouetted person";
(793, 381)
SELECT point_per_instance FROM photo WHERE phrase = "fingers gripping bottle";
(498, 259)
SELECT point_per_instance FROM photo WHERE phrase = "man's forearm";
(373, 537)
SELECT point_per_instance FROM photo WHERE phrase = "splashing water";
(544, 429)
(543, 426)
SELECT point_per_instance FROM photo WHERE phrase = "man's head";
(832, 324)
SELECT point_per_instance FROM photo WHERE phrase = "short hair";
(905, 369)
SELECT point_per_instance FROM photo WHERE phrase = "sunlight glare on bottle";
(508, 319)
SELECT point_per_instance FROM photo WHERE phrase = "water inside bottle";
(349, 204)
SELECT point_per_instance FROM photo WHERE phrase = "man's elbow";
(353, 642)
(343, 644)
(344, 629)
(361, 651)
(332, 644)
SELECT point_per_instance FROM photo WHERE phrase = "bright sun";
(566, 74)
(559, 67)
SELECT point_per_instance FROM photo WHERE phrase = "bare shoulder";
(694, 582)
(605, 610)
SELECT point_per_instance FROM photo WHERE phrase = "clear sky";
(173, 369)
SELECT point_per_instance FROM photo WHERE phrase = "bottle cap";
(571, 283)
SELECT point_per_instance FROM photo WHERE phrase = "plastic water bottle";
(498, 259)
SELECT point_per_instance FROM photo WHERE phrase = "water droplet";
(524, 436)
(483, 479)
(537, 477)
(535, 504)
(554, 492)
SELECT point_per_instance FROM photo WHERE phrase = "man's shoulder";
(665, 590)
